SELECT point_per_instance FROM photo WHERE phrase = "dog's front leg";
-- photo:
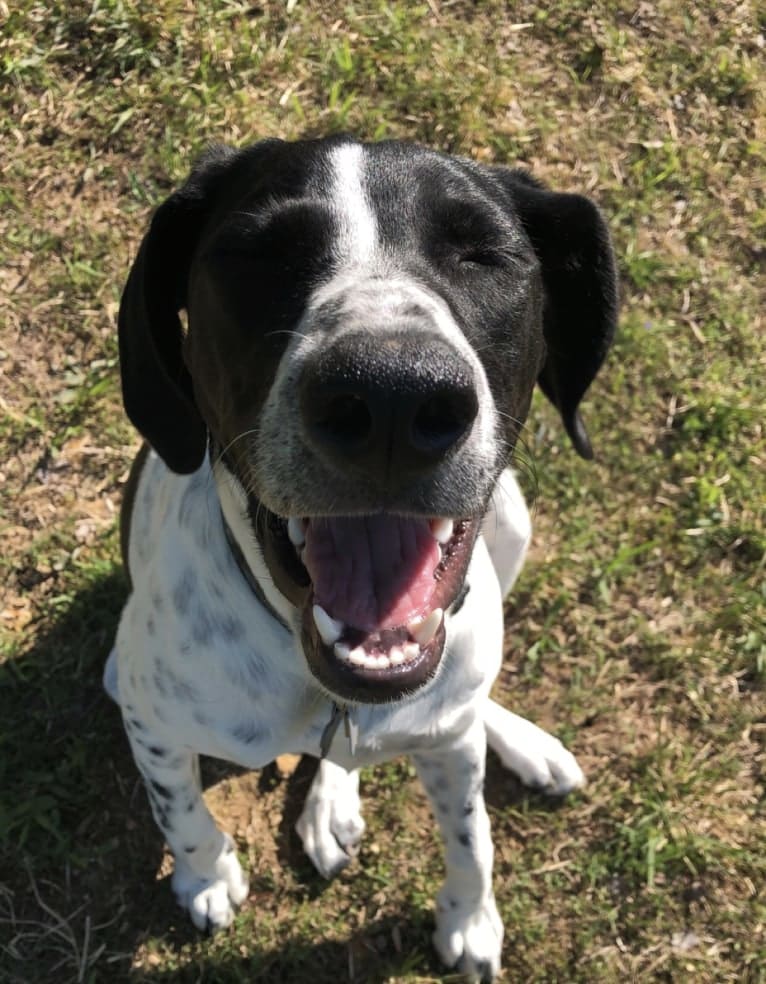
(207, 877)
(469, 932)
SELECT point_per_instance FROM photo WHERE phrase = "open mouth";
(373, 591)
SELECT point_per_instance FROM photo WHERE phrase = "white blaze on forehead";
(357, 226)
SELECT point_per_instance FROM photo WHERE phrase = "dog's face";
(366, 324)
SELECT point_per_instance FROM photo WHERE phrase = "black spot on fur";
(202, 628)
(441, 781)
(159, 684)
(157, 751)
(230, 629)
(248, 733)
(189, 850)
(468, 809)
(184, 591)
(465, 839)
(161, 790)
(183, 692)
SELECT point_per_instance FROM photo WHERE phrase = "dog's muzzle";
(387, 410)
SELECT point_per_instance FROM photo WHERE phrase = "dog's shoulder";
(195, 649)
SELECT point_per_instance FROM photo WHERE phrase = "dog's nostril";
(442, 420)
(345, 419)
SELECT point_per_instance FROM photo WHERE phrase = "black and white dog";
(326, 525)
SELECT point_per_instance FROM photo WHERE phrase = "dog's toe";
(347, 828)
(565, 775)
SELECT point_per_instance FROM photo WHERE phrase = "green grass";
(637, 629)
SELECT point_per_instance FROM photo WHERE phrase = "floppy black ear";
(156, 386)
(574, 248)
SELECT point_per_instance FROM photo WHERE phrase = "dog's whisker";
(290, 332)
(247, 433)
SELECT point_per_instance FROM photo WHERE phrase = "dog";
(324, 521)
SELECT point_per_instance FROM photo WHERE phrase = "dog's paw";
(537, 758)
(469, 939)
(546, 765)
(330, 832)
(209, 901)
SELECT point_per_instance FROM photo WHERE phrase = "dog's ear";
(156, 386)
(574, 249)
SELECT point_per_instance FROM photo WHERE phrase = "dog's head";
(365, 327)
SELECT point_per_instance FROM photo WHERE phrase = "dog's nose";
(392, 405)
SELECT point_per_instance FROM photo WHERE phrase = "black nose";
(391, 405)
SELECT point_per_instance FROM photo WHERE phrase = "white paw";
(209, 900)
(469, 938)
(330, 832)
(545, 764)
(537, 758)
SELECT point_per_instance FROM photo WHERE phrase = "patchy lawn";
(638, 630)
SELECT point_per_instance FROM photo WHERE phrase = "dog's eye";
(481, 257)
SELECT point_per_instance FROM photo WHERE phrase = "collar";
(247, 574)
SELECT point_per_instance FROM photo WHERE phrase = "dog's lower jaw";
(372, 664)
(355, 684)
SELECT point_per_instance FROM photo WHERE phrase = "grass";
(638, 628)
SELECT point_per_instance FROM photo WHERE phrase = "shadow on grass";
(366, 958)
(83, 883)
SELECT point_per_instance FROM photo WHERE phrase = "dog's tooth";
(411, 650)
(296, 530)
(329, 629)
(382, 663)
(442, 530)
(423, 630)
(396, 657)
(342, 651)
(358, 657)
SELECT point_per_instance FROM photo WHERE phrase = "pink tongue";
(372, 572)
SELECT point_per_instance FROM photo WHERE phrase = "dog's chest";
(201, 658)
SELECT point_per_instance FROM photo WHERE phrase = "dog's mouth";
(373, 592)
